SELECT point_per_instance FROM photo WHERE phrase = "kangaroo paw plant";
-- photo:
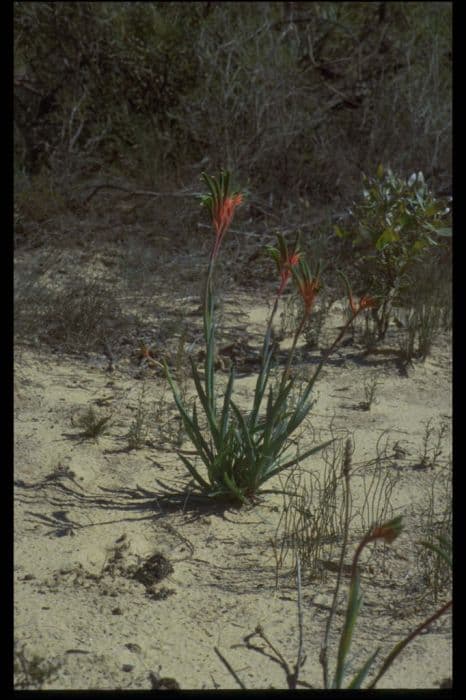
(387, 532)
(241, 451)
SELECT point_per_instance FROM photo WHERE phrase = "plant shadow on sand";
(147, 504)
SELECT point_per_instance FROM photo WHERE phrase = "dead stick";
(136, 193)
(233, 673)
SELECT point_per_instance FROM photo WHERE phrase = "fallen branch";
(137, 193)
(231, 670)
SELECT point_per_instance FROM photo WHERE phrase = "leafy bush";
(298, 98)
(395, 224)
(91, 79)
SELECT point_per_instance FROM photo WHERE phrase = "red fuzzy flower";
(365, 302)
(222, 213)
(285, 259)
(307, 286)
(308, 290)
(285, 271)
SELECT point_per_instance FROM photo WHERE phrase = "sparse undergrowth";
(31, 671)
(319, 513)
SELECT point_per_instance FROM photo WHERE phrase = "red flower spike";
(388, 531)
(284, 259)
(223, 212)
(307, 286)
(221, 205)
(367, 303)
(285, 272)
(308, 292)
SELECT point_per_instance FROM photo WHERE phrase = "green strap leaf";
(193, 471)
(360, 676)
(304, 455)
(190, 424)
(206, 405)
(246, 442)
(226, 404)
(352, 612)
(231, 483)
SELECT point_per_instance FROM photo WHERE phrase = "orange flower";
(285, 271)
(284, 259)
(222, 215)
(307, 286)
(221, 204)
(367, 303)
(389, 531)
(308, 291)
(223, 211)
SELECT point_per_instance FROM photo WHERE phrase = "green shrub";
(395, 225)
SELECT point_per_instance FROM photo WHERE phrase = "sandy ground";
(118, 589)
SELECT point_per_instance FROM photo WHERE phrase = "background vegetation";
(297, 99)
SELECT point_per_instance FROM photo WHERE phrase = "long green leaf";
(226, 404)
(193, 471)
(275, 432)
(268, 428)
(191, 425)
(198, 439)
(300, 457)
(187, 421)
(360, 676)
(234, 488)
(352, 612)
(298, 415)
(276, 408)
(211, 184)
(206, 405)
(261, 385)
(247, 443)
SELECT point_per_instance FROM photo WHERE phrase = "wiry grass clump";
(31, 671)
(139, 429)
(311, 522)
(318, 507)
(74, 314)
(92, 424)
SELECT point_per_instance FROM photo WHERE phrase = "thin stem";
(292, 351)
(327, 354)
(323, 653)
(209, 336)
(268, 332)
(208, 297)
(293, 680)
(366, 540)
(398, 648)
(230, 669)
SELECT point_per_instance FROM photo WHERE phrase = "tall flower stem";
(347, 500)
(334, 345)
(325, 356)
(268, 331)
(209, 333)
(292, 351)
